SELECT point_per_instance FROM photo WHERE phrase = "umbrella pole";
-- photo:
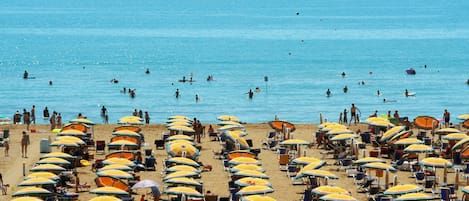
(456, 179)
(386, 183)
(445, 174)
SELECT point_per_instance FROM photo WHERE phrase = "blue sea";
(302, 47)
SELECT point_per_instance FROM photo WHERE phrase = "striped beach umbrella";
(414, 197)
(182, 150)
(71, 138)
(324, 190)
(379, 166)
(337, 131)
(126, 143)
(65, 143)
(338, 197)
(36, 182)
(445, 131)
(455, 136)
(183, 161)
(180, 137)
(179, 117)
(189, 192)
(418, 148)
(126, 133)
(105, 198)
(31, 191)
(257, 198)
(82, 121)
(369, 160)
(403, 189)
(115, 173)
(108, 190)
(305, 160)
(122, 161)
(465, 189)
(182, 168)
(182, 129)
(313, 165)
(344, 137)
(231, 127)
(460, 143)
(130, 120)
(179, 123)
(72, 132)
(223, 123)
(254, 190)
(228, 118)
(183, 181)
(250, 181)
(251, 173)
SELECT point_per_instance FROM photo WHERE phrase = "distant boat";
(410, 71)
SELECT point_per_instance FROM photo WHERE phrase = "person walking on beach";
(340, 118)
(24, 145)
(26, 118)
(59, 120)
(353, 114)
(147, 117)
(6, 144)
(2, 185)
(45, 113)
(103, 111)
(446, 117)
(345, 121)
(52, 121)
(33, 114)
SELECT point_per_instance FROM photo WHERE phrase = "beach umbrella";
(296, 142)
(182, 168)
(179, 123)
(146, 183)
(223, 123)
(116, 167)
(182, 150)
(379, 121)
(418, 148)
(57, 161)
(391, 132)
(126, 133)
(400, 136)
(48, 175)
(329, 126)
(403, 189)
(57, 155)
(460, 143)
(231, 127)
(82, 121)
(240, 167)
(36, 181)
(71, 138)
(445, 131)
(414, 196)
(372, 119)
(324, 190)
(337, 131)
(180, 137)
(280, 125)
(426, 122)
(249, 181)
(344, 137)
(254, 190)
(408, 141)
(179, 117)
(465, 189)
(338, 197)
(257, 198)
(169, 121)
(64, 143)
(130, 120)
(455, 136)
(31, 191)
(369, 160)
(122, 161)
(463, 116)
(183, 161)
(313, 165)
(105, 198)
(243, 160)
(228, 118)
(119, 143)
(180, 174)
(317, 173)
(182, 129)
(238, 133)
(306, 160)
(72, 132)
(115, 173)
(108, 190)
(435, 162)
(251, 173)
(241, 153)
(180, 141)
(379, 166)
(47, 167)
(27, 198)
(183, 181)
(189, 192)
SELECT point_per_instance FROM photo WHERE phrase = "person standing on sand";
(52, 121)
(345, 121)
(2, 185)
(24, 145)
(446, 117)
(353, 114)
(340, 118)
(59, 121)
(147, 117)
(46, 113)
(33, 114)
(26, 118)
(6, 144)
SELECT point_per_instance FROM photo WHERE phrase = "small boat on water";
(410, 71)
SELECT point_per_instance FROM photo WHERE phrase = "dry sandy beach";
(216, 181)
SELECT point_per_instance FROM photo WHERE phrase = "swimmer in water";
(328, 93)
(378, 93)
(345, 89)
(258, 90)
(147, 71)
(343, 74)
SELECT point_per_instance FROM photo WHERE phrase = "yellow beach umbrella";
(461, 143)
(257, 198)
(414, 196)
(189, 192)
(391, 132)
(116, 167)
(180, 174)
(445, 131)
(183, 161)
(324, 190)
(418, 148)
(332, 126)
(26, 198)
(329, 123)
(369, 160)
(57, 155)
(82, 121)
(182, 168)
(115, 173)
(465, 189)
(463, 116)
(47, 167)
(31, 191)
(180, 141)
(183, 181)
(181, 129)
(385, 123)
(305, 160)
(403, 189)
(108, 190)
(182, 150)
(179, 123)
(222, 123)
(126, 132)
(379, 166)
(57, 161)
(254, 190)
(313, 165)
(338, 197)
(250, 181)
(436, 162)
(408, 141)
(344, 137)
(180, 137)
(372, 119)
(240, 167)
(455, 136)
(71, 138)
(337, 131)
(105, 198)
(72, 132)
(123, 143)
(317, 173)
(179, 117)
(65, 143)
(236, 133)
(243, 160)
(228, 118)
(36, 181)
(122, 161)
(251, 173)
(48, 175)
(231, 127)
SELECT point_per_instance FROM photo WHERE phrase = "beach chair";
(159, 144)
(445, 194)
(211, 197)
(150, 163)
(100, 146)
(419, 177)
(307, 195)
(358, 178)
(148, 152)
(366, 185)
(292, 170)
(283, 161)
